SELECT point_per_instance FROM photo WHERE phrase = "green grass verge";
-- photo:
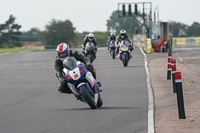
(17, 49)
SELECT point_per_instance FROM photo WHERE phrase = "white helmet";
(63, 50)
(122, 34)
(91, 36)
(112, 34)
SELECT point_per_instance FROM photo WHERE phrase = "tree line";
(63, 31)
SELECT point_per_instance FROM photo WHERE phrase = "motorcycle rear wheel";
(100, 101)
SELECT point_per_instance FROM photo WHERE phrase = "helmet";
(69, 63)
(90, 36)
(62, 50)
(112, 34)
(122, 34)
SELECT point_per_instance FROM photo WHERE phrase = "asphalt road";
(30, 102)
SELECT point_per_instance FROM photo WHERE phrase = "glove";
(89, 67)
(131, 47)
(62, 81)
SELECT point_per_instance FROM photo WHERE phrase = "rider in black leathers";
(112, 37)
(89, 38)
(64, 52)
(123, 36)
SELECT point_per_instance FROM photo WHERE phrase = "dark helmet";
(69, 63)
(123, 34)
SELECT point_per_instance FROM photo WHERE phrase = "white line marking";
(151, 98)
(188, 48)
(181, 60)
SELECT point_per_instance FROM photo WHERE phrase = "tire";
(100, 101)
(125, 61)
(91, 57)
(113, 53)
(87, 97)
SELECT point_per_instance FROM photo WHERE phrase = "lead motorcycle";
(112, 48)
(90, 51)
(124, 52)
(82, 83)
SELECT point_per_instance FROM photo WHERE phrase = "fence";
(186, 42)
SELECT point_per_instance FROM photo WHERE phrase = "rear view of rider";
(123, 36)
(112, 37)
(90, 38)
(62, 53)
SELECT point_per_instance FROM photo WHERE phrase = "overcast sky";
(89, 15)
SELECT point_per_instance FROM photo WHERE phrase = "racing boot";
(98, 83)
(130, 56)
(95, 56)
(120, 56)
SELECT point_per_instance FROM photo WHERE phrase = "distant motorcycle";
(90, 51)
(112, 48)
(124, 52)
(82, 83)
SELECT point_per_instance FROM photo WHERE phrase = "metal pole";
(173, 64)
(181, 109)
(143, 15)
(169, 66)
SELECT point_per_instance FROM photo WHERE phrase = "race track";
(30, 102)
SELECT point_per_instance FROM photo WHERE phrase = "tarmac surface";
(30, 102)
(166, 109)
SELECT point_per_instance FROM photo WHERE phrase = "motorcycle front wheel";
(125, 60)
(113, 53)
(91, 57)
(88, 97)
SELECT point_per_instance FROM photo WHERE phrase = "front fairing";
(112, 45)
(90, 47)
(78, 73)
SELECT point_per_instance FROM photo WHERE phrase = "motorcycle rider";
(62, 53)
(123, 36)
(112, 37)
(90, 38)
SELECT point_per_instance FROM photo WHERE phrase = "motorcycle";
(124, 52)
(82, 83)
(90, 51)
(112, 48)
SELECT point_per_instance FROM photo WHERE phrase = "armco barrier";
(50, 47)
(180, 42)
(54, 47)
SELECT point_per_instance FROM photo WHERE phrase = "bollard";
(173, 66)
(169, 66)
(180, 101)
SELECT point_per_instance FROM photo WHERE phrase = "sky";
(90, 15)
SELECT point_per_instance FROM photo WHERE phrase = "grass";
(24, 48)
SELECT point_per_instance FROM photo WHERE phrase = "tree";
(194, 30)
(178, 29)
(101, 38)
(33, 35)
(116, 23)
(9, 33)
(57, 32)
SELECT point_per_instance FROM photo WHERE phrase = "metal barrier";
(179, 42)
